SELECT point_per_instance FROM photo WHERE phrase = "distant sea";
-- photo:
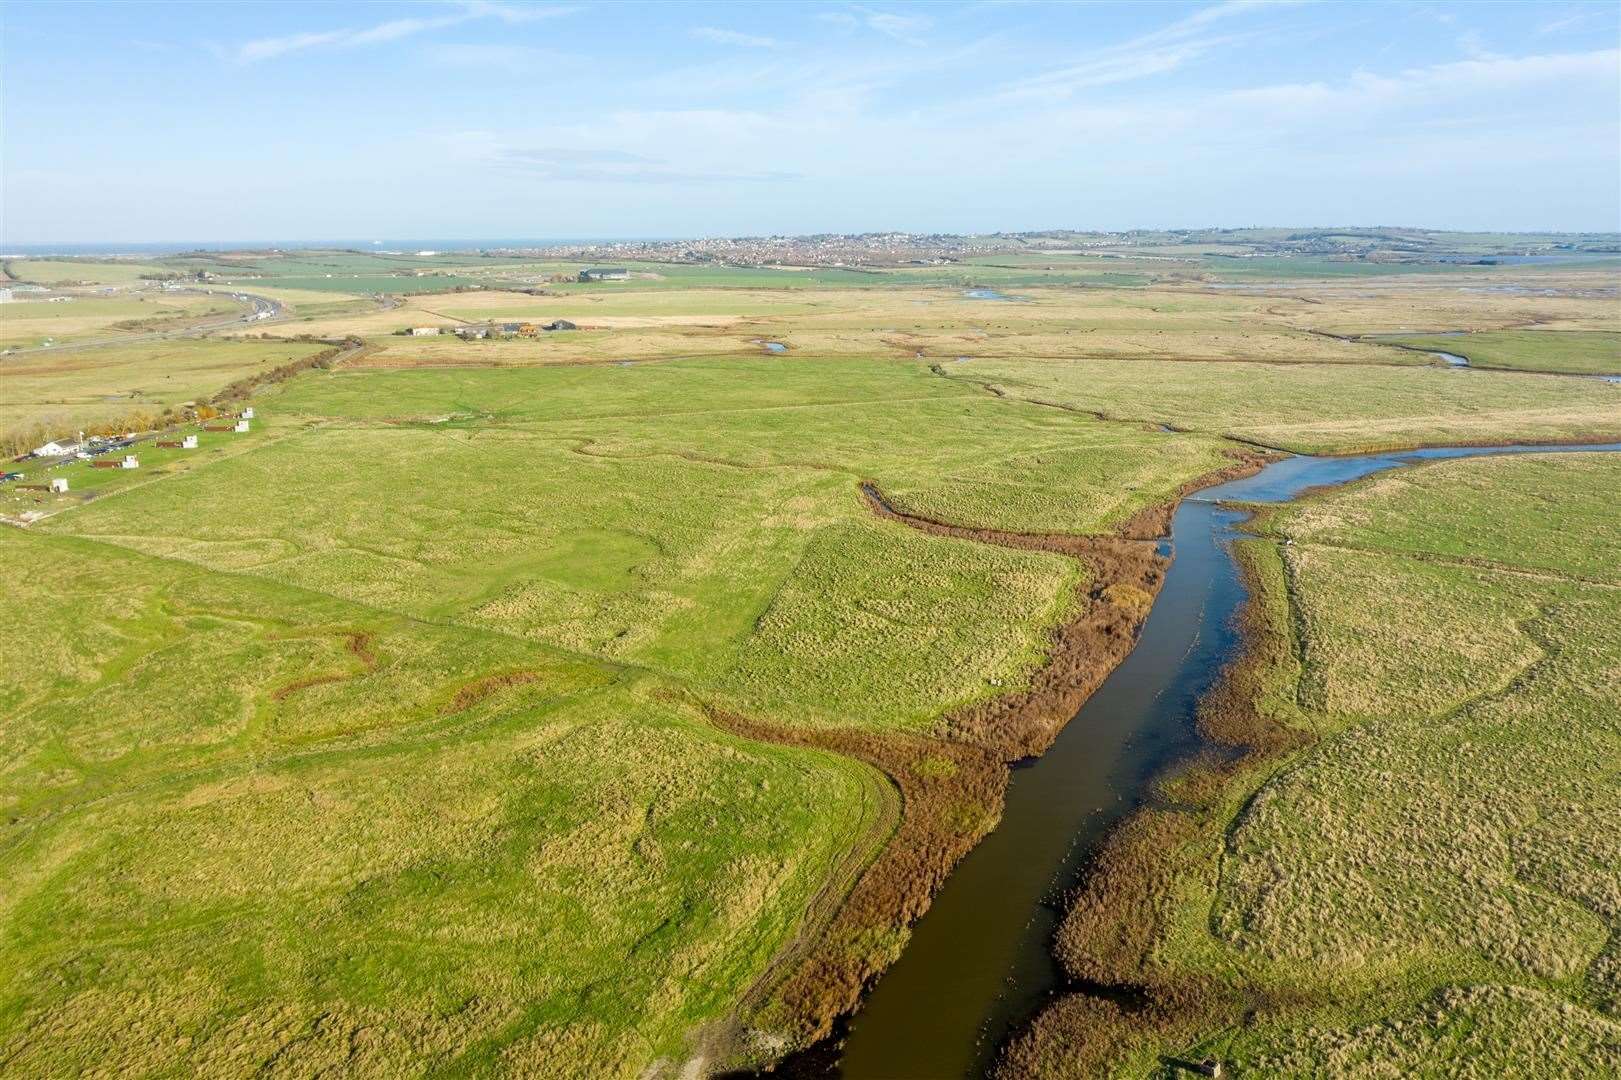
(173, 247)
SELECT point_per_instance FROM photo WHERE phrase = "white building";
(130, 462)
(189, 442)
(424, 331)
(59, 484)
(247, 414)
(241, 426)
(55, 449)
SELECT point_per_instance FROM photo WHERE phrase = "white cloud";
(1153, 53)
(393, 30)
(733, 37)
(906, 28)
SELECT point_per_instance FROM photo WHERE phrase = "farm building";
(560, 324)
(472, 332)
(424, 331)
(605, 273)
(55, 449)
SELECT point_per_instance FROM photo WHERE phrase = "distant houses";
(605, 273)
(424, 331)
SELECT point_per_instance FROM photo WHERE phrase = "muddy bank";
(1116, 1001)
(951, 785)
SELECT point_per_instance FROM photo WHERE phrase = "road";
(261, 309)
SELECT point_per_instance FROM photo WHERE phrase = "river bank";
(1117, 1000)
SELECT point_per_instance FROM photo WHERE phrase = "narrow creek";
(979, 962)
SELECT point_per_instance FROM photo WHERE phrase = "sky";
(127, 122)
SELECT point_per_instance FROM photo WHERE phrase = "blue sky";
(286, 121)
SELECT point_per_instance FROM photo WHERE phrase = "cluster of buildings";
(480, 331)
(103, 452)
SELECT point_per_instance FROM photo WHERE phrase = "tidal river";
(979, 961)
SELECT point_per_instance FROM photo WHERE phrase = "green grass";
(1591, 352)
(1315, 408)
(53, 394)
(1434, 878)
(93, 271)
(234, 833)
(373, 745)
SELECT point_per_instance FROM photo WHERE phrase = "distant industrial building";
(605, 273)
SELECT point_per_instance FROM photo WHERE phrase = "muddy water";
(980, 961)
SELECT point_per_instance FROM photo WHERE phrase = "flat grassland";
(52, 394)
(1420, 866)
(1572, 352)
(30, 322)
(382, 741)
(413, 731)
(1318, 408)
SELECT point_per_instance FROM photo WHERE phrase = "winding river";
(979, 961)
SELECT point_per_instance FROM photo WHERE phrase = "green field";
(1316, 408)
(1570, 353)
(46, 395)
(548, 706)
(1433, 877)
(377, 723)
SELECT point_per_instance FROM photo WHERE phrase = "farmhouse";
(424, 331)
(469, 333)
(605, 273)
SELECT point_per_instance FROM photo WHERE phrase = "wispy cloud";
(269, 48)
(1569, 22)
(906, 28)
(734, 37)
(1153, 53)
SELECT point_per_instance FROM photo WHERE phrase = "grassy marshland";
(1418, 865)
